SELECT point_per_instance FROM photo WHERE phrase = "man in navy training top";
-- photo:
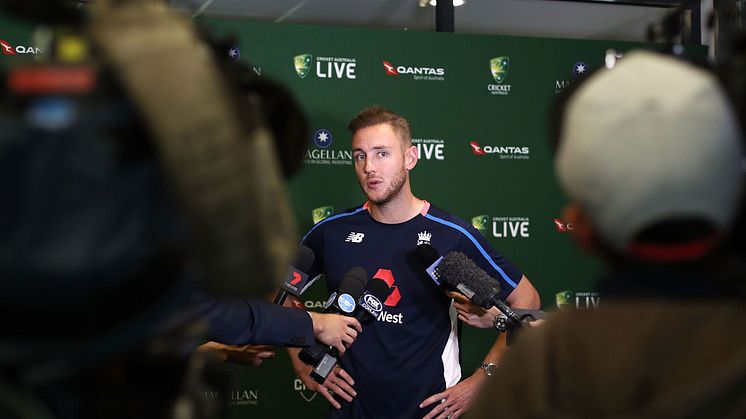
(406, 364)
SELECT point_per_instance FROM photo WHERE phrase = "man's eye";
(383, 154)
(359, 157)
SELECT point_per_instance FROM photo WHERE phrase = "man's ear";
(410, 157)
(580, 227)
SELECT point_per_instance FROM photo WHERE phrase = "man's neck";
(396, 211)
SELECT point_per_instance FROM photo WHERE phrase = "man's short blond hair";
(376, 115)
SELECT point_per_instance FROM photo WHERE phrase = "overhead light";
(456, 3)
(611, 58)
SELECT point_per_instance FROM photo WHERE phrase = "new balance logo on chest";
(355, 237)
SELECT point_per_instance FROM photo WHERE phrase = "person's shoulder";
(342, 216)
(441, 214)
(446, 218)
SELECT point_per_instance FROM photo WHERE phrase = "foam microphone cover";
(426, 255)
(304, 258)
(354, 282)
(458, 271)
(378, 288)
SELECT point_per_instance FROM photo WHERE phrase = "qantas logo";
(7, 49)
(476, 148)
(390, 70)
(563, 227)
(503, 152)
(417, 73)
(296, 278)
(10, 50)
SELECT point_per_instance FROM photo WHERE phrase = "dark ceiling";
(591, 19)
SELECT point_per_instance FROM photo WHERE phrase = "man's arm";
(241, 354)
(455, 401)
(241, 321)
(524, 296)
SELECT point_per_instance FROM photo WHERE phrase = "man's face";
(380, 166)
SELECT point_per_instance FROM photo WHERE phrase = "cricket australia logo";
(304, 392)
(480, 222)
(423, 238)
(302, 64)
(321, 213)
(499, 68)
(355, 237)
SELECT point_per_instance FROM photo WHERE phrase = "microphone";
(530, 315)
(430, 260)
(295, 281)
(371, 302)
(369, 307)
(339, 302)
(461, 273)
(527, 318)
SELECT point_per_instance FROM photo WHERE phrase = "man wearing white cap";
(650, 156)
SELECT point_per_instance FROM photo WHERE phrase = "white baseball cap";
(651, 139)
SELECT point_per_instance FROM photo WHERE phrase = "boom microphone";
(461, 273)
(295, 281)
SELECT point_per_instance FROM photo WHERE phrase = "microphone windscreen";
(457, 269)
(304, 258)
(426, 255)
(378, 288)
(354, 282)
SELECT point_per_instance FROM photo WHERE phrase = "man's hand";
(455, 401)
(244, 354)
(337, 383)
(335, 330)
(472, 314)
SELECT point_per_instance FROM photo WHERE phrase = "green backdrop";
(458, 104)
(445, 86)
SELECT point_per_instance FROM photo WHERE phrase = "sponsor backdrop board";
(478, 108)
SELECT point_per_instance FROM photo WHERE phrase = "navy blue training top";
(411, 352)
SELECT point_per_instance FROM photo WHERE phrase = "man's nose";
(369, 166)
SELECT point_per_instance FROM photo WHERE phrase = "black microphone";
(530, 315)
(430, 259)
(369, 308)
(343, 301)
(370, 304)
(461, 273)
(295, 281)
(527, 316)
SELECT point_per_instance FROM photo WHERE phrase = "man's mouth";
(373, 183)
